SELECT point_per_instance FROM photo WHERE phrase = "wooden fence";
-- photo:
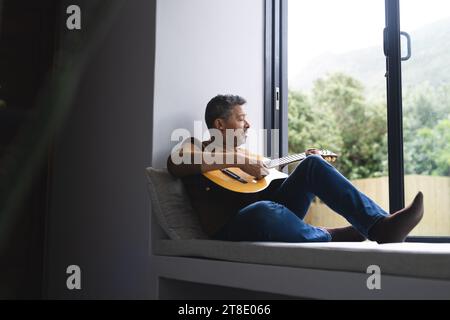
(436, 191)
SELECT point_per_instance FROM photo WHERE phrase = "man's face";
(238, 124)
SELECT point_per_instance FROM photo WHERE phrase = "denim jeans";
(280, 216)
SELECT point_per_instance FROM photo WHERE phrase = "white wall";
(203, 48)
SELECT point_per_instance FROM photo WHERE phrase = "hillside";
(430, 62)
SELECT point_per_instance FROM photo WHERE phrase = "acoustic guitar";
(237, 180)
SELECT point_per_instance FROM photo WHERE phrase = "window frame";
(275, 78)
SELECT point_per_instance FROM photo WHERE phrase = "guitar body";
(251, 185)
(237, 180)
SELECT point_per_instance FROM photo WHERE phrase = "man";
(277, 213)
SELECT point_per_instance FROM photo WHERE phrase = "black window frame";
(275, 77)
(276, 95)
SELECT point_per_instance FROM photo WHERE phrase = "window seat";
(418, 260)
(182, 253)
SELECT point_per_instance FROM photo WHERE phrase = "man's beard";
(240, 139)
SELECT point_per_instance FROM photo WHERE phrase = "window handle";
(386, 47)
(408, 43)
(277, 98)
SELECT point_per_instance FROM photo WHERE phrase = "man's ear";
(219, 124)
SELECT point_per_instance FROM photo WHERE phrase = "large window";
(339, 99)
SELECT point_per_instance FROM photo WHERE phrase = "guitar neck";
(285, 160)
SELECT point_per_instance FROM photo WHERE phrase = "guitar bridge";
(233, 175)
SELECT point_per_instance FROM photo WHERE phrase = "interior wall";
(205, 48)
(99, 213)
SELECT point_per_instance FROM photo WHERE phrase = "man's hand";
(254, 167)
(309, 152)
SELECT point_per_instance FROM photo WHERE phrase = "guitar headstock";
(326, 154)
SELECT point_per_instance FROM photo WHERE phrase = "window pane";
(426, 111)
(337, 92)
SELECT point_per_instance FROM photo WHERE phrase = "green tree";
(431, 148)
(426, 133)
(310, 127)
(362, 125)
(442, 137)
(337, 117)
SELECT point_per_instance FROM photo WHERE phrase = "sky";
(317, 27)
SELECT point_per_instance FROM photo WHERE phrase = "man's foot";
(396, 227)
(345, 234)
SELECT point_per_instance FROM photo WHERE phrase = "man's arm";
(196, 163)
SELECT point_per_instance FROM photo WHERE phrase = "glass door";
(426, 111)
(337, 92)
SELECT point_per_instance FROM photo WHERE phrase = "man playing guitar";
(276, 213)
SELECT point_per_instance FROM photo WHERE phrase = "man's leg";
(315, 176)
(270, 221)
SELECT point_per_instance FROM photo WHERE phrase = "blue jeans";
(280, 216)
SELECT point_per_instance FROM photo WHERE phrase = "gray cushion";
(171, 206)
(423, 260)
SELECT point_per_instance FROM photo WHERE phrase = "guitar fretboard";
(285, 160)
